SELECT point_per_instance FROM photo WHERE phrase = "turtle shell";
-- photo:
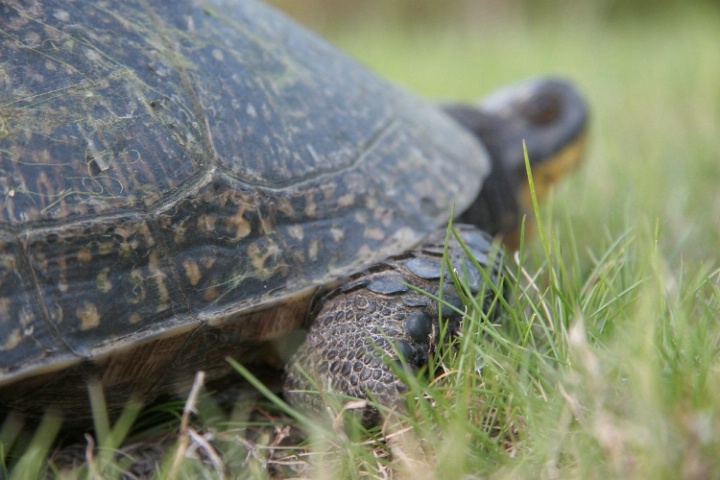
(178, 178)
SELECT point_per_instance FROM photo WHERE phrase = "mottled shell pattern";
(173, 171)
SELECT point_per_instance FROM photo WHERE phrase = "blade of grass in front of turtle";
(459, 277)
(11, 428)
(536, 207)
(267, 393)
(108, 438)
(35, 456)
(101, 420)
(548, 326)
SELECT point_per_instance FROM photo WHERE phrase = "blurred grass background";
(623, 378)
(617, 370)
(651, 71)
(630, 287)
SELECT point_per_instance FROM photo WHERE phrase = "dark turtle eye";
(542, 108)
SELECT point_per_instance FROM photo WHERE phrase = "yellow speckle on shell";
(211, 294)
(92, 55)
(346, 200)
(242, 226)
(259, 257)
(179, 231)
(218, 55)
(62, 15)
(103, 282)
(193, 272)
(84, 255)
(159, 277)
(314, 249)
(206, 223)
(374, 233)
(88, 315)
(12, 341)
(337, 233)
(296, 232)
(361, 217)
(284, 205)
(328, 190)
(134, 318)
(138, 289)
(5, 305)
(311, 207)
(106, 248)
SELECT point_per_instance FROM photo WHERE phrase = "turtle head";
(551, 116)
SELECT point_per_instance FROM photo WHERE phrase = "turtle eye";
(542, 109)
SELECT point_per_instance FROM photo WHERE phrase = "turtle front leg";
(375, 319)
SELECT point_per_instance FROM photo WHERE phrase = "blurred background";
(650, 68)
(402, 13)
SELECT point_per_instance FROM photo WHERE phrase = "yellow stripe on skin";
(550, 171)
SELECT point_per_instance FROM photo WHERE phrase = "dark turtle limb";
(548, 116)
(376, 319)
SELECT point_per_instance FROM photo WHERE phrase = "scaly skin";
(366, 325)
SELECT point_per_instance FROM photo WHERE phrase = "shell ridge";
(383, 131)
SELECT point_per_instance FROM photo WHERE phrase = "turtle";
(185, 181)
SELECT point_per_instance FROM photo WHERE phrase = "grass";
(606, 362)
